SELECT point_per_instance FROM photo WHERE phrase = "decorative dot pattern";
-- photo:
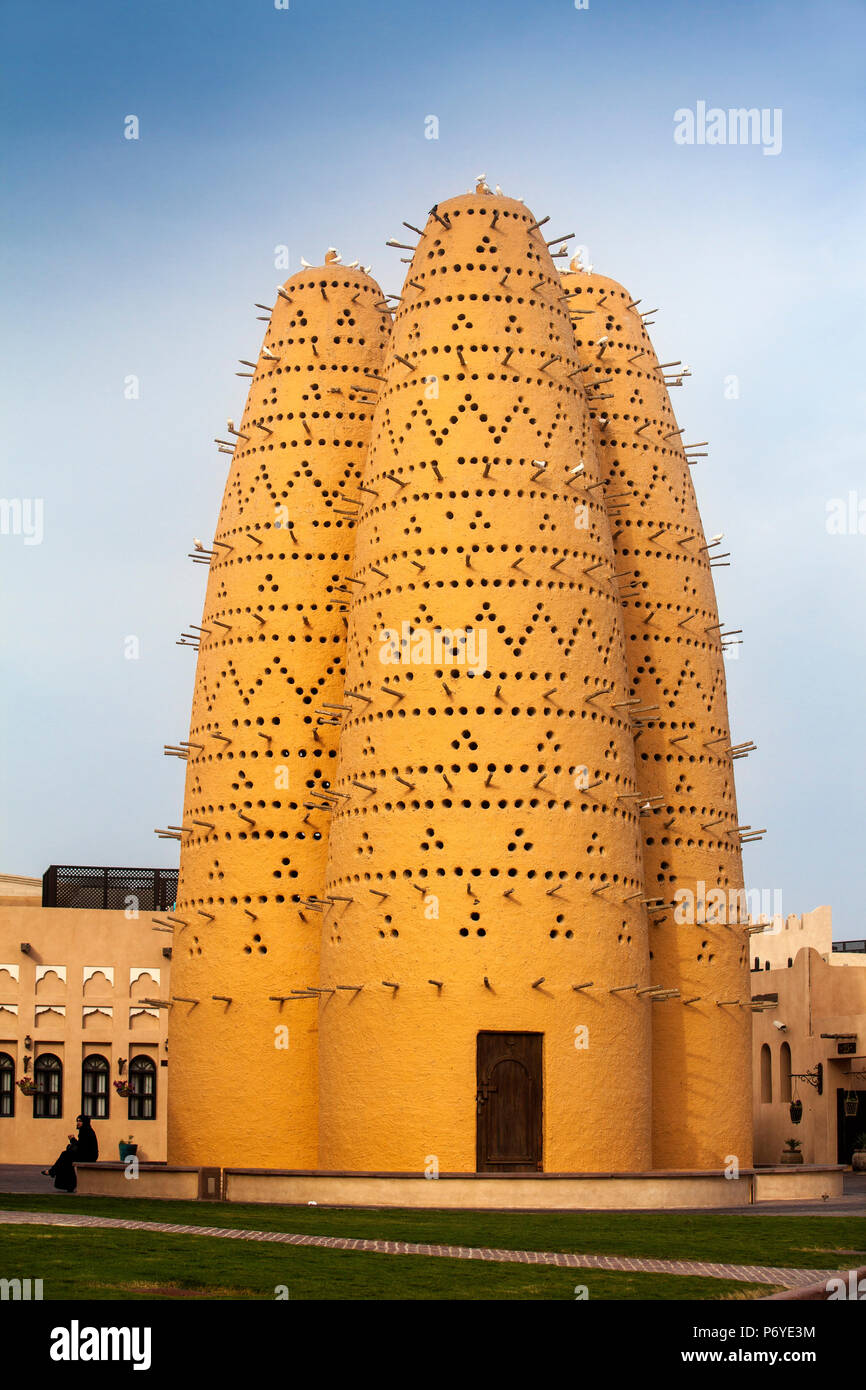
(488, 826)
(459, 734)
(682, 733)
(265, 726)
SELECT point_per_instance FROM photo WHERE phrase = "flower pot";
(792, 1158)
(126, 1150)
(858, 1160)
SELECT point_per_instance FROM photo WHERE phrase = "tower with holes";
(460, 768)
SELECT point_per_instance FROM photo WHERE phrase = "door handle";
(482, 1094)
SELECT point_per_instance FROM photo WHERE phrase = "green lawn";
(799, 1241)
(86, 1265)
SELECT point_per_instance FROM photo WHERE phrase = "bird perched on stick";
(308, 265)
(197, 543)
(332, 255)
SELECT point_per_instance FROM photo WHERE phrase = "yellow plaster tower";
(263, 734)
(702, 1109)
(485, 855)
(459, 736)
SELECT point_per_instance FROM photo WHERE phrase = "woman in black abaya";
(82, 1148)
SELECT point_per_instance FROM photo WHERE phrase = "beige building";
(79, 1010)
(777, 945)
(813, 1029)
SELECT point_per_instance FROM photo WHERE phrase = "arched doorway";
(509, 1102)
(849, 1128)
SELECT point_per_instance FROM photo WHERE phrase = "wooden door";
(509, 1103)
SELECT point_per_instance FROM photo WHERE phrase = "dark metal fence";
(83, 885)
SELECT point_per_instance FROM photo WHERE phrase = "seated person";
(82, 1148)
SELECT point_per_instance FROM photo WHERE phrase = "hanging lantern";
(852, 1104)
(796, 1111)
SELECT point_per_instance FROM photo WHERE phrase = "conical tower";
(485, 944)
(701, 1038)
(264, 730)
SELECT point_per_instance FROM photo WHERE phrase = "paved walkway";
(749, 1274)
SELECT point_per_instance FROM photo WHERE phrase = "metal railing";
(88, 886)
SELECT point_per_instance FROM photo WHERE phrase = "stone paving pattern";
(751, 1274)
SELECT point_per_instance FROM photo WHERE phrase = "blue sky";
(306, 127)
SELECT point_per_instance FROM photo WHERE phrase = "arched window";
(785, 1072)
(7, 1085)
(142, 1079)
(766, 1074)
(48, 1075)
(757, 964)
(94, 1087)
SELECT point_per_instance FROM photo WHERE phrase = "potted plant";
(124, 1089)
(27, 1086)
(127, 1148)
(858, 1157)
(791, 1152)
(796, 1111)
